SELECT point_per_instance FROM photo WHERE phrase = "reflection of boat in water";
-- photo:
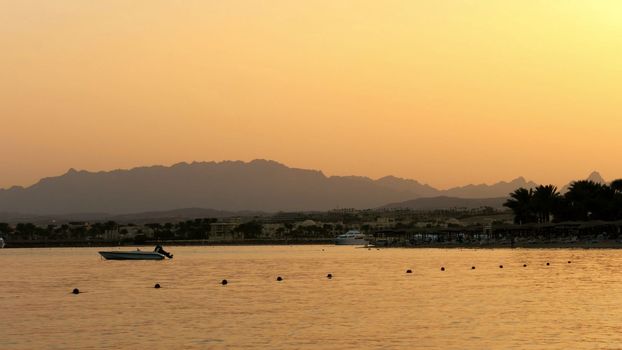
(1, 242)
(157, 254)
(352, 237)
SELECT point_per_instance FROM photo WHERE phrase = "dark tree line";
(585, 200)
(189, 229)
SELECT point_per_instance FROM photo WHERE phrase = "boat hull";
(351, 241)
(138, 255)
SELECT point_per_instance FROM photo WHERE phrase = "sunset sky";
(445, 92)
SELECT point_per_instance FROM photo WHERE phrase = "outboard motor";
(159, 249)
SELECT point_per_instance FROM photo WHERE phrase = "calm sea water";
(370, 302)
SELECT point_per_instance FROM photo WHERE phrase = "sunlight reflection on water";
(369, 303)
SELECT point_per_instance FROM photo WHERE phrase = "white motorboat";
(157, 254)
(352, 237)
(1, 242)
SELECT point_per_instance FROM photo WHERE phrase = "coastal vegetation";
(584, 200)
(285, 227)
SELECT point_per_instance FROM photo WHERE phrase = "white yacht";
(1, 242)
(352, 237)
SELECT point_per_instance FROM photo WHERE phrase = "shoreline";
(607, 244)
(537, 245)
(178, 243)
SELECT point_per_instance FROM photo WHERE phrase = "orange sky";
(446, 92)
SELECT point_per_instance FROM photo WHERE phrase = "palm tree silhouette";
(616, 185)
(546, 201)
(520, 202)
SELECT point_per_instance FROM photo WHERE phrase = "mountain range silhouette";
(258, 185)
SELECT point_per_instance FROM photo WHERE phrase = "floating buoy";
(409, 271)
(329, 276)
(157, 285)
(224, 282)
(500, 266)
(569, 261)
(442, 269)
(75, 291)
(472, 267)
(524, 265)
(279, 278)
(547, 264)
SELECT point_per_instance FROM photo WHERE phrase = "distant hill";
(444, 202)
(137, 218)
(500, 189)
(230, 186)
(412, 187)
(14, 218)
(181, 215)
(594, 176)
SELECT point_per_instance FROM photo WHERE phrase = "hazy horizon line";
(170, 165)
